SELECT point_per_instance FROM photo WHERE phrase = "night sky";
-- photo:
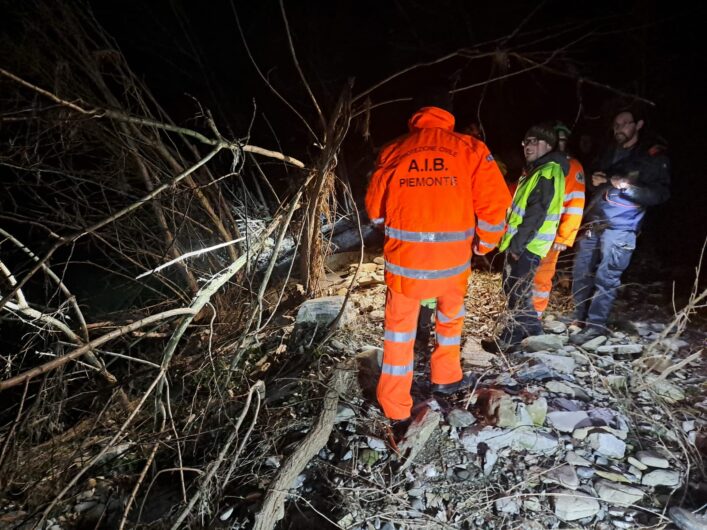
(189, 52)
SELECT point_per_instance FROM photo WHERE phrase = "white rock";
(507, 505)
(573, 458)
(520, 438)
(538, 343)
(344, 413)
(572, 505)
(633, 470)
(652, 459)
(637, 463)
(538, 411)
(561, 363)
(225, 515)
(566, 421)
(554, 326)
(688, 425)
(615, 493)
(661, 477)
(620, 349)
(460, 418)
(490, 461)
(673, 344)
(607, 444)
(558, 387)
(564, 476)
(376, 443)
(534, 441)
(592, 345)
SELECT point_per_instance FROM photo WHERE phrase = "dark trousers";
(599, 263)
(518, 285)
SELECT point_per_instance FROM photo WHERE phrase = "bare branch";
(78, 352)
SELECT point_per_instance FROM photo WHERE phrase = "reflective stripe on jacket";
(573, 206)
(436, 192)
(542, 241)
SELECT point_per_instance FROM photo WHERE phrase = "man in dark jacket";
(629, 178)
(532, 227)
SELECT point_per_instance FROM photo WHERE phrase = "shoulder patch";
(580, 177)
(489, 158)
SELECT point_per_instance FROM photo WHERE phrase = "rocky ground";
(605, 435)
(610, 434)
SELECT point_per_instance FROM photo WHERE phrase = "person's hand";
(620, 183)
(558, 247)
(598, 178)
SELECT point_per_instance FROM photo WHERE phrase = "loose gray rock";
(637, 463)
(460, 418)
(607, 445)
(573, 458)
(621, 349)
(566, 421)
(564, 476)
(592, 345)
(561, 363)
(661, 477)
(616, 493)
(573, 505)
(322, 311)
(652, 459)
(540, 343)
(343, 413)
(508, 505)
(554, 326)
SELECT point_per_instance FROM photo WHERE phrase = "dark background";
(192, 53)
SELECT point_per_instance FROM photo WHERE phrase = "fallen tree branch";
(100, 113)
(70, 297)
(214, 466)
(189, 255)
(273, 508)
(669, 370)
(78, 352)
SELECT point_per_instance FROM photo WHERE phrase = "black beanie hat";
(543, 131)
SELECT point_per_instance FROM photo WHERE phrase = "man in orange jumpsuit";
(437, 194)
(570, 221)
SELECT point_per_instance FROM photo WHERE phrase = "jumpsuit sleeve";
(536, 209)
(572, 206)
(491, 199)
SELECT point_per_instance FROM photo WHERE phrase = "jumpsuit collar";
(431, 117)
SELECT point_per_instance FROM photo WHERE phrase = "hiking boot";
(399, 428)
(686, 520)
(591, 332)
(468, 380)
(499, 346)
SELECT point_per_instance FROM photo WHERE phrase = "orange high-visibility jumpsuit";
(437, 193)
(570, 222)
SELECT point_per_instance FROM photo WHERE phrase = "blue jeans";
(518, 285)
(599, 263)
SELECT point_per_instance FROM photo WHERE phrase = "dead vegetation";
(194, 401)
